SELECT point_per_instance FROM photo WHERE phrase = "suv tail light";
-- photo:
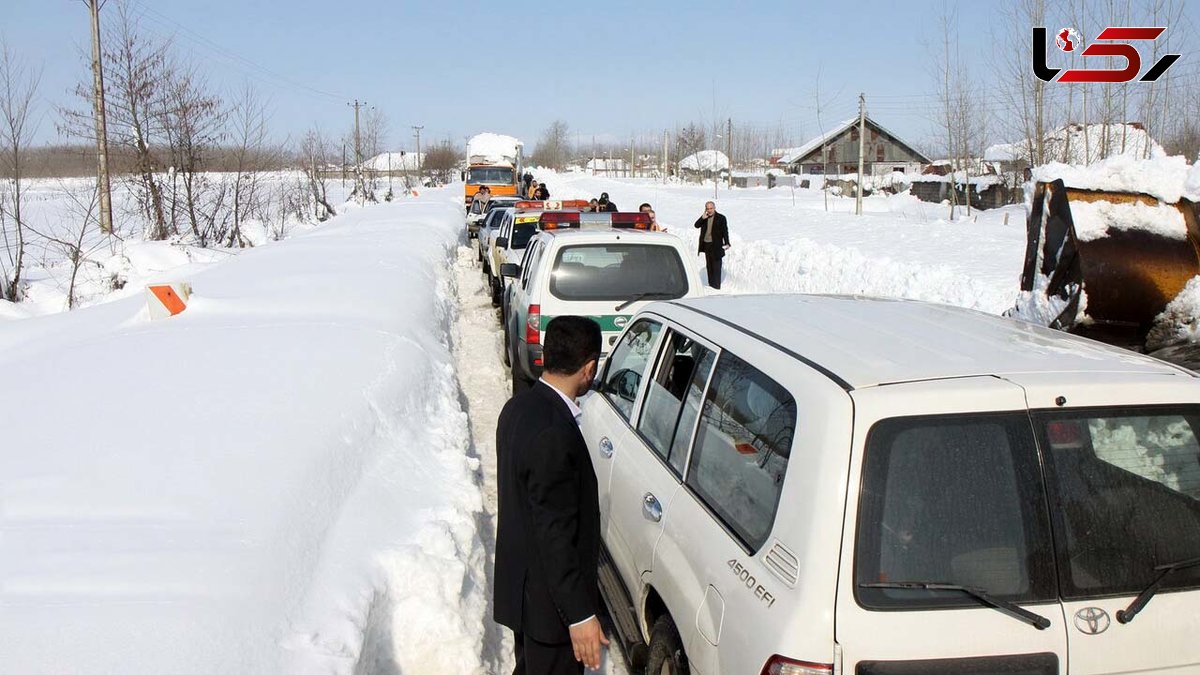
(778, 665)
(533, 325)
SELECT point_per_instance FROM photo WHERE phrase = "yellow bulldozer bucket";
(1120, 257)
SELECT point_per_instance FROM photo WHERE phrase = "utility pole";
(666, 161)
(343, 165)
(104, 184)
(729, 148)
(631, 171)
(862, 139)
(359, 187)
(420, 173)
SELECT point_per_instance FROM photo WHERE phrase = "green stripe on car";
(608, 322)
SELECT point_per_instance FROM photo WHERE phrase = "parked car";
(605, 274)
(476, 220)
(490, 224)
(807, 484)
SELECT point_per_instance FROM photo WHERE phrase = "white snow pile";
(489, 148)
(1169, 178)
(1178, 321)
(705, 160)
(1093, 220)
(278, 480)
(1080, 144)
(395, 161)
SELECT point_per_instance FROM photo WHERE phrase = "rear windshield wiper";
(643, 296)
(1019, 613)
(1139, 603)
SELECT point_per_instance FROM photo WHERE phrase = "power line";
(228, 54)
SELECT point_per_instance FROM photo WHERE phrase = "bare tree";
(18, 88)
(441, 160)
(193, 121)
(251, 157)
(554, 146)
(139, 76)
(315, 151)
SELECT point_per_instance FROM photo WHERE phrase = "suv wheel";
(666, 650)
(496, 290)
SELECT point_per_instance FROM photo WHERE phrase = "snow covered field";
(297, 474)
(277, 480)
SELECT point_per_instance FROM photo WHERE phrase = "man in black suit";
(548, 534)
(714, 241)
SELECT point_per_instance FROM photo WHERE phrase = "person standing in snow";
(480, 199)
(714, 241)
(548, 524)
(606, 205)
(541, 192)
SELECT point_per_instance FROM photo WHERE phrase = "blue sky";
(612, 69)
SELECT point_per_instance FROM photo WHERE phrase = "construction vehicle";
(1105, 264)
(495, 161)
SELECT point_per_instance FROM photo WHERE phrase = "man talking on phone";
(548, 531)
(714, 241)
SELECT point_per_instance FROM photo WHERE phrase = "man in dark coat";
(605, 204)
(548, 531)
(714, 241)
(541, 192)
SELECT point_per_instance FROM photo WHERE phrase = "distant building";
(838, 150)
(600, 166)
(704, 164)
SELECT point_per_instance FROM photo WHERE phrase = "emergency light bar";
(551, 204)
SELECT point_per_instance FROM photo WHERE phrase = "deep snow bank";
(276, 480)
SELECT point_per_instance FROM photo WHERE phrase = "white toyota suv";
(606, 274)
(811, 484)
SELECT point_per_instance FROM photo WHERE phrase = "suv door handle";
(606, 447)
(651, 509)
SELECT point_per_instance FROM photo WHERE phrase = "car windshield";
(1125, 487)
(617, 272)
(491, 175)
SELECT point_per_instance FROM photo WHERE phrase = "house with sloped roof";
(836, 152)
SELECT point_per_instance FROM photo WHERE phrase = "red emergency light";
(636, 221)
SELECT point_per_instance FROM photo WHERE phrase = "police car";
(607, 274)
(507, 243)
(807, 484)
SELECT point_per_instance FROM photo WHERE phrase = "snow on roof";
(493, 148)
(405, 161)
(1167, 178)
(1067, 144)
(790, 155)
(798, 152)
(705, 160)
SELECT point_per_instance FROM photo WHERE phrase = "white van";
(606, 274)
(808, 484)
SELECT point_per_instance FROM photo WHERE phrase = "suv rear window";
(617, 272)
(1124, 485)
(956, 500)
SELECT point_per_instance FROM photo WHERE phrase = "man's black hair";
(645, 205)
(571, 341)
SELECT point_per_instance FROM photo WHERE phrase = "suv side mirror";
(501, 242)
(512, 270)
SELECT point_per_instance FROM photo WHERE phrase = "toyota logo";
(1091, 620)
